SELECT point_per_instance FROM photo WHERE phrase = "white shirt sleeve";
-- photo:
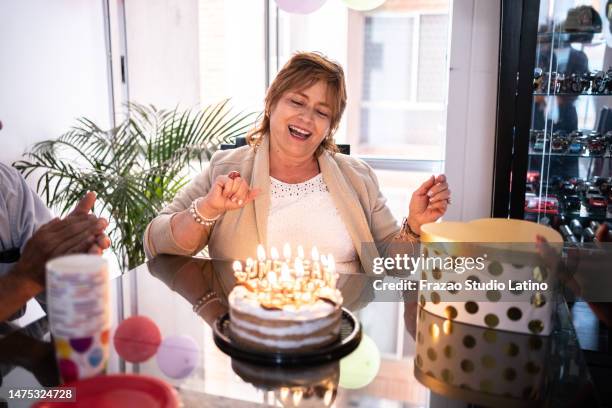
(22, 212)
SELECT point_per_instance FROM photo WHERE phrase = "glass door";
(569, 160)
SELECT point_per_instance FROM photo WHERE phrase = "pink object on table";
(178, 356)
(137, 339)
(118, 391)
(300, 6)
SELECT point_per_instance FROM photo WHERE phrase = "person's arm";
(383, 225)
(26, 279)
(85, 207)
(428, 203)
(16, 288)
(159, 237)
(175, 230)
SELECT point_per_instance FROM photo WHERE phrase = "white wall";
(472, 102)
(162, 47)
(232, 53)
(53, 70)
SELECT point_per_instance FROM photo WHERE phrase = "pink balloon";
(178, 356)
(137, 339)
(363, 5)
(299, 6)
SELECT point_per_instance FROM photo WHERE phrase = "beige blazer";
(351, 182)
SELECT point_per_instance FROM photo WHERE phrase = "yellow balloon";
(363, 5)
(359, 368)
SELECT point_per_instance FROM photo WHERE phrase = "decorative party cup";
(79, 314)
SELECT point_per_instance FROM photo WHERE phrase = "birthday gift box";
(489, 273)
(484, 366)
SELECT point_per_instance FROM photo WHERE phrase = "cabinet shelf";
(569, 94)
(584, 155)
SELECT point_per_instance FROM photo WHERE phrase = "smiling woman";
(290, 184)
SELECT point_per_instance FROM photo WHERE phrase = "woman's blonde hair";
(303, 70)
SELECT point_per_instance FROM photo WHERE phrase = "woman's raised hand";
(429, 202)
(228, 192)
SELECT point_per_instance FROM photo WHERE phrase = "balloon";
(363, 5)
(178, 356)
(359, 368)
(299, 6)
(137, 339)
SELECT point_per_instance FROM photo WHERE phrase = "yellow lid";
(501, 230)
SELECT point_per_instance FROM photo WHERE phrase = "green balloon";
(359, 368)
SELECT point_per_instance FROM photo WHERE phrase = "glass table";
(399, 363)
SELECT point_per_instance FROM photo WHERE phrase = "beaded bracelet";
(204, 300)
(199, 218)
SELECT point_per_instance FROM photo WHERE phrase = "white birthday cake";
(275, 307)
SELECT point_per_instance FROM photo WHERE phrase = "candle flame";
(274, 253)
(315, 253)
(328, 397)
(261, 253)
(297, 397)
(291, 281)
(434, 330)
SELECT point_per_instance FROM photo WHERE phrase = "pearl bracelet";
(204, 300)
(199, 218)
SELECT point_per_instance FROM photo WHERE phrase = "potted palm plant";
(135, 168)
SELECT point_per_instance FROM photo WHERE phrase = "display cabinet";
(554, 136)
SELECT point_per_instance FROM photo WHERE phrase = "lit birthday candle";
(237, 267)
(251, 270)
(287, 281)
(316, 267)
(274, 253)
(315, 254)
(272, 280)
(298, 266)
(297, 397)
(276, 264)
(285, 276)
(261, 257)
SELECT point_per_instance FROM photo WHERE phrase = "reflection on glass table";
(399, 362)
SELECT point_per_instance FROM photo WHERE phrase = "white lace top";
(304, 214)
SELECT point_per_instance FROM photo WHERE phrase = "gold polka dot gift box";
(484, 366)
(489, 273)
